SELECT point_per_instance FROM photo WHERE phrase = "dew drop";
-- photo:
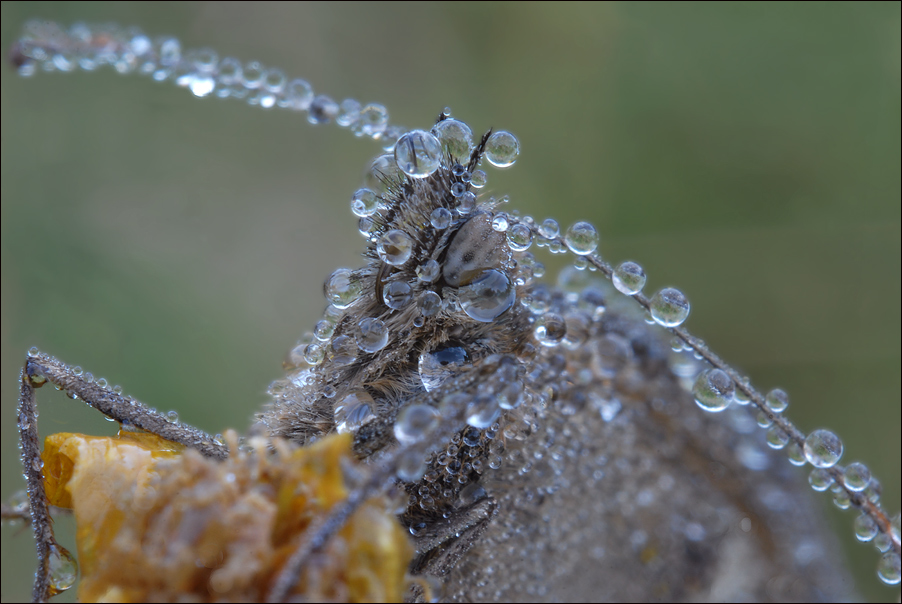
(437, 367)
(372, 335)
(418, 153)
(298, 95)
(478, 179)
(865, 528)
(383, 171)
(856, 476)
(502, 149)
(550, 329)
(373, 121)
(440, 218)
(172, 417)
(629, 278)
(396, 295)
(519, 237)
(364, 202)
(549, 228)
(348, 112)
(777, 438)
(429, 303)
(581, 238)
(342, 288)
(500, 223)
(353, 411)
(888, 569)
(395, 247)
(820, 479)
(314, 353)
(323, 330)
(429, 271)
(343, 350)
(455, 137)
(466, 203)
(62, 569)
(669, 307)
(482, 411)
(487, 296)
(777, 400)
(415, 422)
(411, 467)
(322, 110)
(713, 390)
(795, 454)
(823, 449)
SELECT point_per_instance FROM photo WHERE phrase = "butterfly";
(291, 263)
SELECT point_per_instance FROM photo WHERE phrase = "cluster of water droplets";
(48, 47)
(718, 386)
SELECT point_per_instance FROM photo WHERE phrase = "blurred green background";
(746, 153)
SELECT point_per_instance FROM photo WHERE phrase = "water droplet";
(466, 203)
(411, 468)
(610, 354)
(865, 528)
(823, 449)
(777, 438)
(397, 294)
(487, 296)
(172, 417)
(372, 335)
(629, 278)
(856, 476)
(395, 247)
(298, 95)
(62, 569)
(502, 149)
(373, 120)
(364, 202)
(342, 288)
(581, 238)
(102, 382)
(478, 179)
(343, 350)
(383, 171)
(323, 330)
(550, 329)
(895, 525)
(322, 110)
(820, 479)
(519, 237)
(455, 137)
(888, 569)
(669, 307)
(482, 411)
(353, 411)
(777, 400)
(429, 271)
(418, 153)
(713, 390)
(415, 422)
(549, 228)
(500, 223)
(795, 454)
(348, 112)
(458, 189)
(437, 367)
(883, 542)
(33, 351)
(429, 303)
(314, 353)
(440, 218)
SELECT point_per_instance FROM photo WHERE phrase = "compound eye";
(475, 247)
